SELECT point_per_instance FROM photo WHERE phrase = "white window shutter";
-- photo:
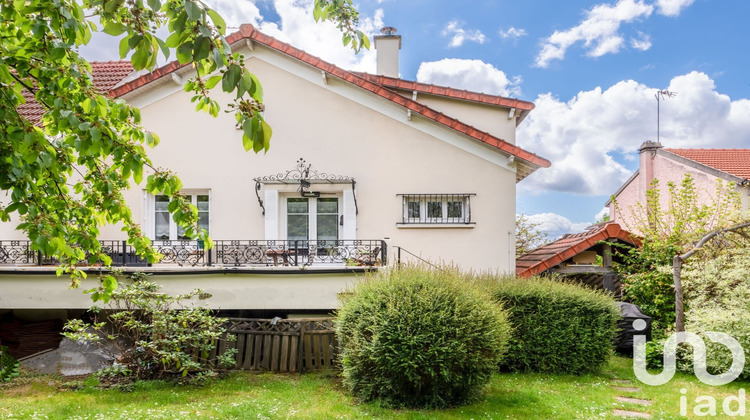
(271, 203)
(148, 214)
(349, 230)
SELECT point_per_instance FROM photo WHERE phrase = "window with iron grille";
(436, 208)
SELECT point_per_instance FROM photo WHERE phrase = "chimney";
(647, 153)
(387, 46)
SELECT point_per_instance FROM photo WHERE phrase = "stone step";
(626, 389)
(622, 381)
(626, 413)
(638, 401)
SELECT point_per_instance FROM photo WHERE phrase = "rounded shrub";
(413, 337)
(557, 327)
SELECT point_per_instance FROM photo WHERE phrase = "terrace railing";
(235, 253)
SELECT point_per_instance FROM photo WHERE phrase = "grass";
(319, 395)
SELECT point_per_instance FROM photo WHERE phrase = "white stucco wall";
(309, 291)
(492, 119)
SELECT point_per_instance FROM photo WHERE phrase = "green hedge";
(557, 327)
(414, 337)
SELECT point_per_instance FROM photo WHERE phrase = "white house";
(362, 168)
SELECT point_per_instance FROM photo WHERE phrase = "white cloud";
(474, 75)
(458, 34)
(672, 7)
(556, 225)
(602, 213)
(585, 136)
(599, 31)
(298, 27)
(513, 33)
(643, 42)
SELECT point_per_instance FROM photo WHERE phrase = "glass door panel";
(327, 219)
(298, 219)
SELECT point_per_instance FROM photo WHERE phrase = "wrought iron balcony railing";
(234, 253)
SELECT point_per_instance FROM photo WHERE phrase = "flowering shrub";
(156, 335)
(719, 291)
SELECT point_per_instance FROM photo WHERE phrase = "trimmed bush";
(413, 337)
(557, 327)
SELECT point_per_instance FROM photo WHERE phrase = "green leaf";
(218, 21)
(173, 40)
(155, 5)
(140, 57)
(193, 10)
(212, 81)
(114, 28)
(185, 52)
(247, 137)
(231, 78)
(201, 48)
(124, 47)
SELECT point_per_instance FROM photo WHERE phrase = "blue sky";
(591, 68)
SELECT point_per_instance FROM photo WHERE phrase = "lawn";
(319, 395)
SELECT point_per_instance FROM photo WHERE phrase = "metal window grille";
(436, 208)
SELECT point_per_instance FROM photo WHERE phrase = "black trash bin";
(625, 330)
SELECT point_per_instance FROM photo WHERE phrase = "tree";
(528, 235)
(65, 176)
(673, 230)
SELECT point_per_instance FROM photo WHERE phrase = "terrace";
(341, 253)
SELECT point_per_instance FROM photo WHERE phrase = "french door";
(312, 219)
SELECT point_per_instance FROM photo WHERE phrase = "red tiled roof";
(732, 161)
(249, 32)
(396, 83)
(552, 254)
(106, 75)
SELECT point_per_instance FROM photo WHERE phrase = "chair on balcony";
(369, 258)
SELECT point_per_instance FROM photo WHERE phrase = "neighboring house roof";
(529, 161)
(395, 83)
(106, 75)
(552, 254)
(732, 161)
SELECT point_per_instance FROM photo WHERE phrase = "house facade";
(706, 167)
(363, 170)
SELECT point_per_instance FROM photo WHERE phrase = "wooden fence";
(282, 345)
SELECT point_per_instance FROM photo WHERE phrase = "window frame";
(151, 211)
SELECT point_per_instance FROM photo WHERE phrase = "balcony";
(280, 254)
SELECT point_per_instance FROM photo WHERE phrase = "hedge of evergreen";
(557, 327)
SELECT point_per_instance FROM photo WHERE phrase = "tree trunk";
(679, 310)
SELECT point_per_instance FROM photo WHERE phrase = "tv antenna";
(661, 95)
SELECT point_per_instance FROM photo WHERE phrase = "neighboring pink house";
(706, 166)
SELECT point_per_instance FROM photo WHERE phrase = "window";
(436, 208)
(164, 226)
(312, 218)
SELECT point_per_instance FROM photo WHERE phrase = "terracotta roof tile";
(249, 32)
(732, 161)
(106, 74)
(552, 254)
(397, 83)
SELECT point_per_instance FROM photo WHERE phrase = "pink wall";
(665, 169)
